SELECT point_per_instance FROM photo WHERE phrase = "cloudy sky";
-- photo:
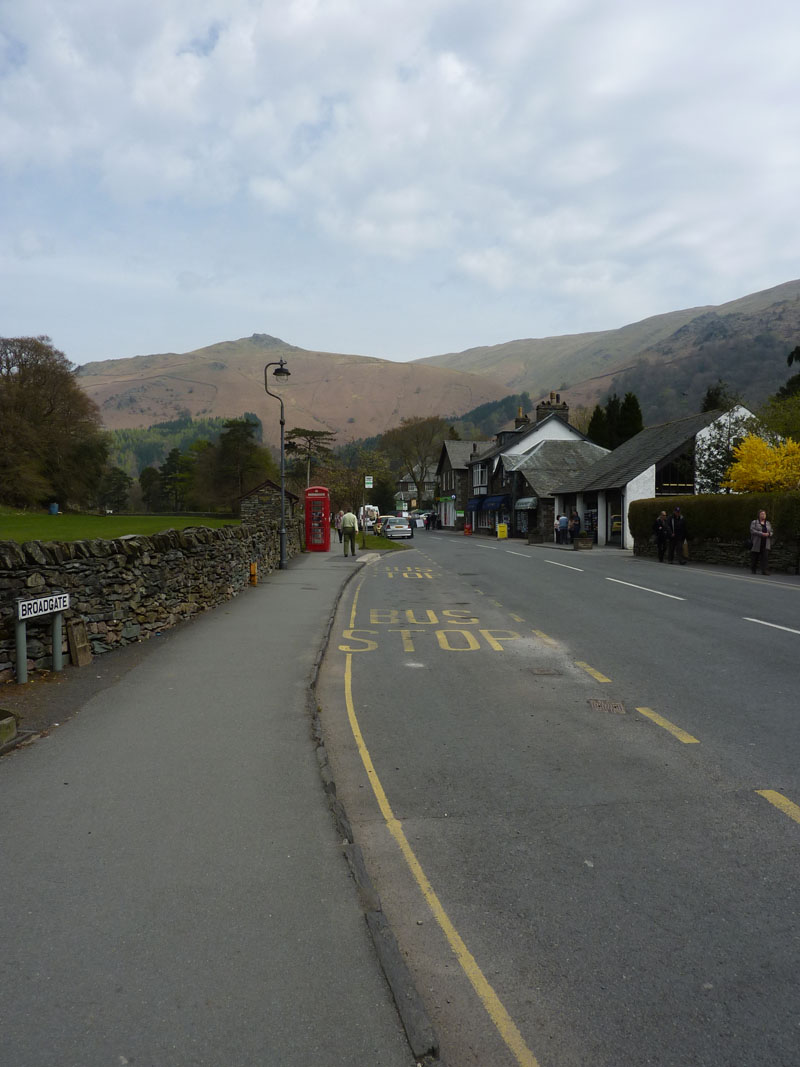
(395, 178)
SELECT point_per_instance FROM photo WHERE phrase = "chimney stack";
(552, 406)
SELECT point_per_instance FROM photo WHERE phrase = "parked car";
(397, 527)
(616, 524)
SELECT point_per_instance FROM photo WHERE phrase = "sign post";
(36, 608)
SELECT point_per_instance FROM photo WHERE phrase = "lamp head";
(281, 373)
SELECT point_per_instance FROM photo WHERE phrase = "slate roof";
(460, 452)
(550, 462)
(268, 484)
(653, 445)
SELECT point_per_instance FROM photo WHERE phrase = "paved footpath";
(173, 888)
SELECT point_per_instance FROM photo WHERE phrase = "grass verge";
(23, 526)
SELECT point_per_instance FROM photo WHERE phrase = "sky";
(393, 178)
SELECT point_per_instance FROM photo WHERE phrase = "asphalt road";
(575, 779)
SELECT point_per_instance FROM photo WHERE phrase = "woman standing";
(338, 524)
(760, 543)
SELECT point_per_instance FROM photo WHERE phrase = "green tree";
(170, 478)
(199, 477)
(152, 493)
(52, 445)
(719, 397)
(114, 488)
(789, 388)
(344, 477)
(414, 446)
(794, 356)
(241, 462)
(597, 430)
(312, 446)
(613, 408)
(630, 418)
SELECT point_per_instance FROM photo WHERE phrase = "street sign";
(367, 481)
(42, 605)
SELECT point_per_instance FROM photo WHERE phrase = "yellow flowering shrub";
(761, 467)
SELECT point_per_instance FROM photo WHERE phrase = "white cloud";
(620, 156)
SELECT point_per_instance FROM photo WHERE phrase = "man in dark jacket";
(660, 529)
(676, 526)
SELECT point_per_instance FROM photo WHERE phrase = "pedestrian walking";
(760, 543)
(349, 531)
(338, 524)
(563, 530)
(676, 527)
(660, 529)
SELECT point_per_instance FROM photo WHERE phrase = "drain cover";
(551, 671)
(611, 707)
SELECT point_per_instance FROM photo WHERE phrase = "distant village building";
(263, 504)
(658, 461)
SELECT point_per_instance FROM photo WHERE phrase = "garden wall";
(130, 588)
(718, 525)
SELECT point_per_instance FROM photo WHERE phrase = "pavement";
(175, 888)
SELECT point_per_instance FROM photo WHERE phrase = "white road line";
(774, 625)
(492, 548)
(645, 589)
(523, 554)
(566, 566)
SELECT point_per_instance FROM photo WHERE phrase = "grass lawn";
(41, 526)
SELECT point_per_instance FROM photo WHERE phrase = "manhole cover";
(551, 671)
(611, 707)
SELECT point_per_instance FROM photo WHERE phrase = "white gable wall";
(553, 429)
(642, 487)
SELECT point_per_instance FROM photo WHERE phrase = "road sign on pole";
(367, 481)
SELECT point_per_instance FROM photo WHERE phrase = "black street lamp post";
(280, 374)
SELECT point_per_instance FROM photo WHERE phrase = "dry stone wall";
(130, 588)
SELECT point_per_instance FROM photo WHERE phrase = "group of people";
(671, 539)
(566, 528)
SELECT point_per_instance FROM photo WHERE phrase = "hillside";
(668, 360)
(355, 396)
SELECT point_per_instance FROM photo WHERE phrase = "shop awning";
(474, 503)
(525, 503)
(496, 503)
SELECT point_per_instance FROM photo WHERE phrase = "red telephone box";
(318, 518)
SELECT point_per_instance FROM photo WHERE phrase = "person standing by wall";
(760, 543)
(676, 525)
(349, 531)
(662, 534)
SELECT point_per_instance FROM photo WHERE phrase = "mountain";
(668, 360)
(355, 396)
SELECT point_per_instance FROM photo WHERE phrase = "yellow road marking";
(676, 731)
(598, 677)
(497, 1013)
(543, 636)
(355, 603)
(516, 618)
(781, 802)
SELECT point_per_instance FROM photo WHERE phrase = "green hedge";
(724, 516)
